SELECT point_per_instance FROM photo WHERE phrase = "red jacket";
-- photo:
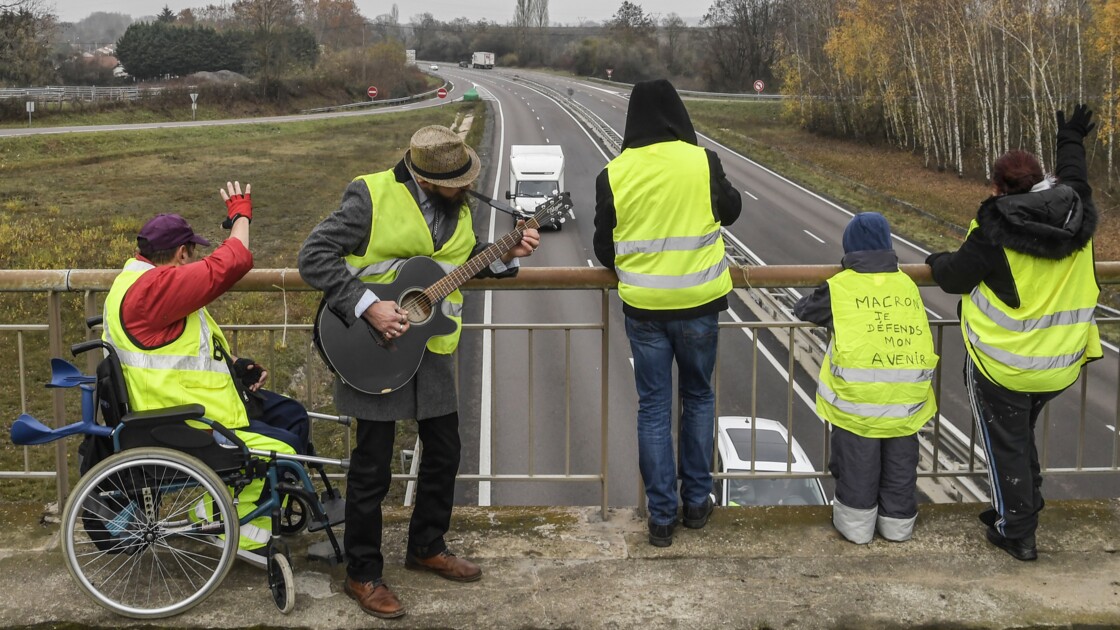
(155, 308)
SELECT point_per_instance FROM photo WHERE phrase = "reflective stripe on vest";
(186, 370)
(398, 232)
(669, 253)
(1041, 345)
(877, 377)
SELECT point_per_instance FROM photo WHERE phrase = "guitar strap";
(497, 205)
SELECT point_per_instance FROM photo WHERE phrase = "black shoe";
(1019, 548)
(696, 516)
(660, 535)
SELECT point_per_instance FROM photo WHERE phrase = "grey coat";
(432, 392)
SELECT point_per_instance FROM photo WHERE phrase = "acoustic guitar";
(370, 362)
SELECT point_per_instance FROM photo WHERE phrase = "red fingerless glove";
(238, 206)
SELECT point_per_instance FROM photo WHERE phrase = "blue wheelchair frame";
(285, 474)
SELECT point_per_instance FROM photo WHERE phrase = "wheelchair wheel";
(281, 581)
(149, 533)
(293, 516)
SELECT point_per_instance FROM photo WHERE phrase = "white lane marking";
(809, 402)
(631, 363)
(819, 239)
(1111, 428)
(486, 410)
(589, 263)
(747, 193)
(932, 313)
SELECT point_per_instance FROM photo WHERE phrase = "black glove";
(1078, 122)
(246, 374)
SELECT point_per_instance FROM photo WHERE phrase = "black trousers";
(875, 472)
(367, 483)
(1005, 421)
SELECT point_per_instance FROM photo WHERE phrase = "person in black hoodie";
(658, 212)
(1027, 268)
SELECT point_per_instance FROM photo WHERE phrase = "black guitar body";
(359, 354)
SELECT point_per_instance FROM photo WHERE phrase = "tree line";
(958, 81)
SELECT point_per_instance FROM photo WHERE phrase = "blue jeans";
(655, 345)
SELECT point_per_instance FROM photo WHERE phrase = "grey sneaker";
(696, 516)
(660, 535)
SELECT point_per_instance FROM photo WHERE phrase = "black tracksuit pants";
(367, 483)
(1005, 421)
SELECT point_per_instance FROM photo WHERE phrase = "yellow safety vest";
(669, 253)
(1040, 346)
(189, 369)
(877, 376)
(399, 232)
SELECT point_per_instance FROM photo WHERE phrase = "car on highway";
(772, 445)
(434, 67)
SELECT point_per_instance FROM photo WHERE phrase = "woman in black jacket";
(1026, 268)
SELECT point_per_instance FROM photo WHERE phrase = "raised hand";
(237, 204)
(1079, 121)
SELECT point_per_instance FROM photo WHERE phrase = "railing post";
(605, 397)
(62, 471)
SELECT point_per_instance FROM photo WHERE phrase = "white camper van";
(536, 171)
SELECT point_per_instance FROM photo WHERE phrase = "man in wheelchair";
(172, 352)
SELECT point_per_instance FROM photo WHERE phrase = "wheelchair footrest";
(335, 509)
(324, 552)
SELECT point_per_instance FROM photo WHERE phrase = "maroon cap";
(167, 231)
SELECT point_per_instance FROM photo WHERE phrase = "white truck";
(536, 172)
(484, 60)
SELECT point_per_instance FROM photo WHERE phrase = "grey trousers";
(876, 481)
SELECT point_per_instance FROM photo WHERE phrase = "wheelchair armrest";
(180, 413)
(86, 346)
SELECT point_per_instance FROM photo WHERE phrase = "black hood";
(1049, 223)
(656, 114)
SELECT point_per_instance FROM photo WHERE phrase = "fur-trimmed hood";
(1050, 223)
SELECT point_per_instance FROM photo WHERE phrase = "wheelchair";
(151, 528)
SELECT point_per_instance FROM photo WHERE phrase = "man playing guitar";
(416, 208)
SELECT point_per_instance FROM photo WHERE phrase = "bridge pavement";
(780, 567)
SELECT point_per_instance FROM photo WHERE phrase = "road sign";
(30, 106)
(372, 91)
(758, 86)
(609, 71)
(194, 97)
(442, 93)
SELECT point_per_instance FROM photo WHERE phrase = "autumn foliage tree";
(959, 81)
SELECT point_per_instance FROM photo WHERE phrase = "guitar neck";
(477, 263)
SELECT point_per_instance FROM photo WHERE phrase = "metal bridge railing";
(584, 413)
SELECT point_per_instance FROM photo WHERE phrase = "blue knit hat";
(867, 231)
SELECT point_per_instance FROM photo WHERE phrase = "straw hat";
(438, 155)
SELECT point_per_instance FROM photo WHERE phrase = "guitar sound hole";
(418, 306)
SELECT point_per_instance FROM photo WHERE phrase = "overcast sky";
(501, 11)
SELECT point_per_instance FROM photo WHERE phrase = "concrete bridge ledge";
(777, 567)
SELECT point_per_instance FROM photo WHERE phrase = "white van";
(536, 172)
(772, 444)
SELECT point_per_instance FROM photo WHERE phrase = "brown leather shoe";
(375, 598)
(446, 565)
